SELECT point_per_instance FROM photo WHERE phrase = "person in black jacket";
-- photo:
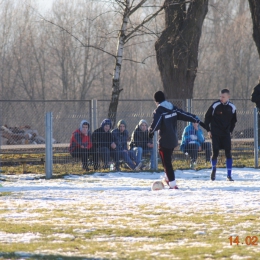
(165, 119)
(141, 143)
(255, 97)
(220, 121)
(104, 144)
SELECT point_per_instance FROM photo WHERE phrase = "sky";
(44, 5)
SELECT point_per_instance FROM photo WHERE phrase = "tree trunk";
(112, 111)
(177, 47)
(255, 13)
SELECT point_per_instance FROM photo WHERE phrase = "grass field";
(117, 216)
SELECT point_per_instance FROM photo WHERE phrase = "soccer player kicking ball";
(220, 121)
(165, 119)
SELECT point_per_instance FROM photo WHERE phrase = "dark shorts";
(221, 142)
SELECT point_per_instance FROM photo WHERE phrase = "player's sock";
(214, 164)
(229, 166)
(166, 179)
(172, 184)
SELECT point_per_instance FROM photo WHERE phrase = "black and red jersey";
(221, 118)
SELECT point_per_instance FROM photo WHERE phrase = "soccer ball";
(157, 185)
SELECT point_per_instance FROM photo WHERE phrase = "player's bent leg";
(166, 155)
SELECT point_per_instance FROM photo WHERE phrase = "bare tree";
(6, 83)
(125, 34)
(177, 47)
(227, 54)
(76, 67)
(128, 30)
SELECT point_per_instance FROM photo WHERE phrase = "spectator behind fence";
(105, 145)
(121, 137)
(193, 141)
(255, 98)
(81, 144)
(141, 144)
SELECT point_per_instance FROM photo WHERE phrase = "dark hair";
(225, 90)
(159, 96)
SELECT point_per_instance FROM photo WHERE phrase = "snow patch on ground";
(120, 195)
(18, 238)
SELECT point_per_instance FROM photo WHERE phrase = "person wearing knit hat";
(144, 122)
(106, 122)
(105, 145)
(141, 144)
(81, 144)
(121, 122)
(165, 119)
(121, 137)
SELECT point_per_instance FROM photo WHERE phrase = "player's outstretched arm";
(202, 125)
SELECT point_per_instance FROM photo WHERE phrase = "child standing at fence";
(81, 144)
(220, 121)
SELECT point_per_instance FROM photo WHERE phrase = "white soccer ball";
(157, 185)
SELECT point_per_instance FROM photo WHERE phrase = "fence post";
(93, 114)
(155, 150)
(189, 105)
(256, 136)
(48, 146)
(188, 109)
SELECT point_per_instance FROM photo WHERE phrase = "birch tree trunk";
(112, 111)
(177, 47)
(255, 13)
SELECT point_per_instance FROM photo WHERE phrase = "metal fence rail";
(29, 117)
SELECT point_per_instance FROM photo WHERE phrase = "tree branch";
(76, 38)
(146, 20)
(137, 7)
(141, 62)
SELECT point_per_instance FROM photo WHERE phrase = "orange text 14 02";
(249, 240)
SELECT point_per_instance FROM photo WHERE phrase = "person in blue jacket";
(121, 137)
(193, 141)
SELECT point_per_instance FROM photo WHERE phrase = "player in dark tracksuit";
(255, 97)
(165, 119)
(220, 121)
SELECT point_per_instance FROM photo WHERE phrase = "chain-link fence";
(23, 130)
